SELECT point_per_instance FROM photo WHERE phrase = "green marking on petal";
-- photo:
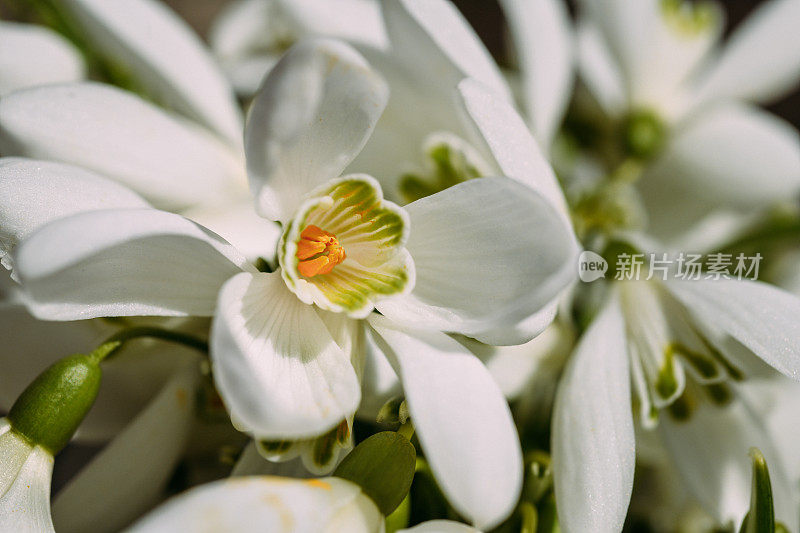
(666, 382)
(349, 214)
(449, 161)
(690, 18)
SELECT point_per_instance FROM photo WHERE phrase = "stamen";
(318, 252)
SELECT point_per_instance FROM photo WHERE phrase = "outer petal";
(762, 58)
(128, 477)
(441, 526)
(759, 316)
(593, 440)
(138, 34)
(507, 255)
(33, 55)
(170, 161)
(710, 452)
(275, 504)
(37, 192)
(433, 38)
(313, 114)
(356, 21)
(461, 418)
(25, 484)
(543, 39)
(238, 223)
(502, 131)
(733, 156)
(598, 69)
(279, 370)
(124, 263)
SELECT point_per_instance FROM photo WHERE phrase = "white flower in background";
(287, 369)
(249, 36)
(683, 345)
(31, 55)
(658, 65)
(278, 504)
(543, 41)
(24, 483)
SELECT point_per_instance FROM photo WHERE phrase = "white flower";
(287, 369)
(274, 503)
(31, 55)
(657, 61)
(683, 345)
(24, 483)
(250, 36)
(278, 504)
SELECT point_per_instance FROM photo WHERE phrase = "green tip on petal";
(383, 466)
(690, 19)
(50, 410)
(761, 516)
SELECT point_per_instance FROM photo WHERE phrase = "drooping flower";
(248, 37)
(288, 369)
(686, 103)
(683, 346)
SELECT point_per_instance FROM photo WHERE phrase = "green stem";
(406, 430)
(112, 344)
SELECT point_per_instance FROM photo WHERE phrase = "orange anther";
(318, 252)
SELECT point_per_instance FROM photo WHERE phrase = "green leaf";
(383, 465)
(761, 516)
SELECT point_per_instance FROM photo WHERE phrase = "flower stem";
(112, 344)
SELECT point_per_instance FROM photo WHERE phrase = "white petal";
(238, 223)
(598, 69)
(124, 263)
(543, 38)
(170, 161)
(762, 58)
(242, 27)
(279, 370)
(521, 332)
(507, 255)
(433, 38)
(164, 55)
(39, 192)
(503, 132)
(130, 474)
(441, 526)
(759, 316)
(24, 484)
(733, 156)
(593, 440)
(461, 418)
(710, 452)
(325, 505)
(313, 114)
(356, 21)
(33, 55)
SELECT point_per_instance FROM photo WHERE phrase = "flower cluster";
(331, 273)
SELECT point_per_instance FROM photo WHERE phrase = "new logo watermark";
(684, 266)
(591, 266)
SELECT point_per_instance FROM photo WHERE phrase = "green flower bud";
(50, 410)
(643, 134)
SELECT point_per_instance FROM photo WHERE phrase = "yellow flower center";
(318, 252)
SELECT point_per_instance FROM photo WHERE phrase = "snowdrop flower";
(278, 504)
(25, 484)
(288, 369)
(687, 102)
(250, 36)
(31, 55)
(683, 345)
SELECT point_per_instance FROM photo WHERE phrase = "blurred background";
(487, 19)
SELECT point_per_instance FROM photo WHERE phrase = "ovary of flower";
(318, 252)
